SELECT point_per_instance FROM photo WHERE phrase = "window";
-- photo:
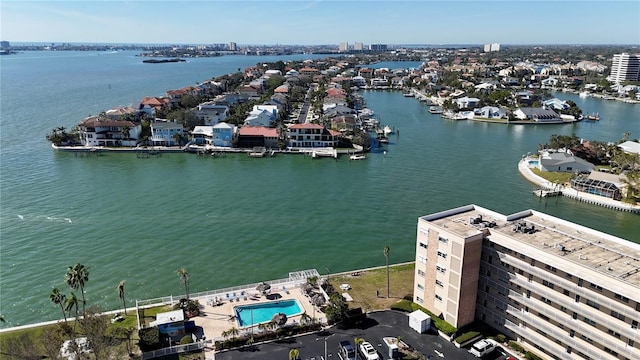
(596, 287)
(574, 316)
(543, 316)
(614, 333)
(566, 292)
(419, 299)
(587, 339)
(442, 255)
(545, 300)
(593, 304)
(420, 286)
(617, 315)
(589, 321)
(440, 269)
(438, 297)
(439, 283)
(551, 268)
(622, 298)
(422, 259)
(572, 332)
(563, 309)
(569, 276)
(421, 273)
(547, 284)
(580, 281)
(424, 232)
(443, 240)
(610, 351)
(423, 245)
(634, 324)
(577, 298)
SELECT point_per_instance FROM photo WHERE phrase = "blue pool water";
(533, 162)
(249, 315)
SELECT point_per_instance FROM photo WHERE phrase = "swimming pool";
(249, 315)
(533, 162)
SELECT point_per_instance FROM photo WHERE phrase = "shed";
(419, 321)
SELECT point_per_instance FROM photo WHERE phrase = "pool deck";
(214, 319)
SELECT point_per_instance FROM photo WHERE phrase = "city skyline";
(322, 22)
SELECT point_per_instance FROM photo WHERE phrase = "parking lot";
(378, 325)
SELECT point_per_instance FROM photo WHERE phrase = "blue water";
(237, 220)
(249, 315)
(533, 162)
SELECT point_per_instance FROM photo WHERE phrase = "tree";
(233, 332)
(71, 303)
(179, 138)
(126, 132)
(183, 274)
(94, 326)
(358, 341)
(77, 276)
(386, 256)
(120, 289)
(57, 298)
(294, 354)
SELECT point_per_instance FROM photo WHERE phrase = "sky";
(304, 22)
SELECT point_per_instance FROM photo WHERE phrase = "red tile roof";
(258, 131)
(306, 126)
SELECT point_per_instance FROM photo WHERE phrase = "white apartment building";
(625, 67)
(344, 47)
(562, 290)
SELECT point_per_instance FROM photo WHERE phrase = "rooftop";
(608, 255)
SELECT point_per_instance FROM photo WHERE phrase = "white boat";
(584, 94)
(435, 110)
(387, 130)
(258, 151)
(357, 157)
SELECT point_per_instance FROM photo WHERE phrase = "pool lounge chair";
(284, 288)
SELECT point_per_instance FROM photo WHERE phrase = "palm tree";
(305, 319)
(71, 303)
(58, 298)
(358, 341)
(233, 332)
(184, 279)
(386, 256)
(126, 132)
(178, 138)
(294, 354)
(77, 276)
(120, 289)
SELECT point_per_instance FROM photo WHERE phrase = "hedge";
(408, 306)
(466, 336)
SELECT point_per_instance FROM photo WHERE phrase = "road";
(377, 326)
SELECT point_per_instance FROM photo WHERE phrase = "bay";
(237, 220)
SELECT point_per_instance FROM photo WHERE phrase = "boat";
(408, 94)
(382, 139)
(435, 110)
(584, 94)
(387, 130)
(357, 157)
(593, 117)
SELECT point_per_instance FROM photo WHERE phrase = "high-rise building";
(625, 67)
(378, 47)
(491, 47)
(233, 46)
(4, 45)
(344, 47)
(357, 46)
(555, 287)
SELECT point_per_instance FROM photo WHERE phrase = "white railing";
(177, 349)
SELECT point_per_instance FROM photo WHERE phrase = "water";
(249, 315)
(237, 220)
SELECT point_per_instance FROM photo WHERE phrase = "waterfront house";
(211, 113)
(202, 135)
(490, 112)
(104, 131)
(556, 104)
(121, 112)
(563, 162)
(359, 81)
(223, 134)
(466, 102)
(309, 135)
(163, 133)
(151, 104)
(537, 114)
(257, 136)
(260, 118)
(630, 147)
(601, 184)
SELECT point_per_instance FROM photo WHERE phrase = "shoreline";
(524, 170)
(202, 295)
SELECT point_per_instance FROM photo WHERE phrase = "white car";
(368, 352)
(483, 347)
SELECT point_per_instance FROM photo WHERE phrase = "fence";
(177, 349)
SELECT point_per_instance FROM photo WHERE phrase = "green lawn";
(555, 177)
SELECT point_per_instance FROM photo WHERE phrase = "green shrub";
(466, 336)
(501, 338)
(187, 339)
(515, 346)
(149, 339)
(403, 305)
(531, 356)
